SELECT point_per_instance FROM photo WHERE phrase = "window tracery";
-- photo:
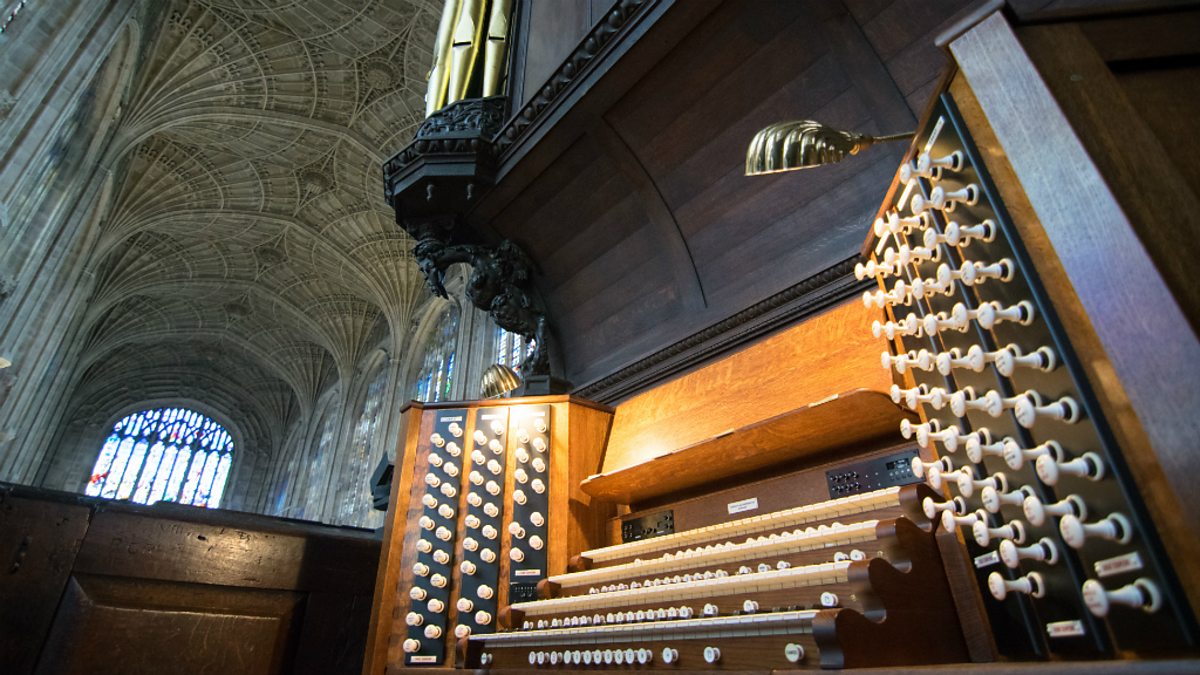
(435, 379)
(164, 454)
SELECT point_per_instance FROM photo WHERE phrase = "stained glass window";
(435, 380)
(164, 454)
(512, 349)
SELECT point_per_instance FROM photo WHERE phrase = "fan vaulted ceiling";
(247, 255)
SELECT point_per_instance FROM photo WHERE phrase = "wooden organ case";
(1055, 523)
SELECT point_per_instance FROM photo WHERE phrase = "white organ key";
(942, 200)
(1142, 594)
(1036, 511)
(796, 577)
(951, 162)
(899, 295)
(1015, 455)
(1030, 584)
(724, 554)
(1042, 550)
(916, 254)
(780, 519)
(967, 483)
(974, 273)
(1013, 530)
(952, 521)
(932, 508)
(1010, 357)
(994, 499)
(909, 325)
(1089, 466)
(1113, 527)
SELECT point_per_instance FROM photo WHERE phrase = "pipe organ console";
(820, 584)
(1007, 516)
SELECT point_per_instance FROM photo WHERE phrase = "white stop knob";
(1142, 593)
(1043, 550)
(414, 619)
(1030, 584)
(438, 581)
(1114, 527)
(412, 646)
(417, 593)
(670, 655)
(793, 652)
(436, 606)
(433, 632)
(464, 605)
(461, 631)
(712, 654)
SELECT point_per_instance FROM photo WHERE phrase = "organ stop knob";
(1031, 584)
(1142, 593)
(1043, 550)
(1113, 527)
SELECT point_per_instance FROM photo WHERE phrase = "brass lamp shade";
(498, 380)
(801, 144)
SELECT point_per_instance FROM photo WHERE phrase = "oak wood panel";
(1132, 338)
(38, 542)
(804, 433)
(224, 551)
(555, 28)
(684, 101)
(828, 354)
(109, 625)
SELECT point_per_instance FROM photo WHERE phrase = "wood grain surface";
(830, 354)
